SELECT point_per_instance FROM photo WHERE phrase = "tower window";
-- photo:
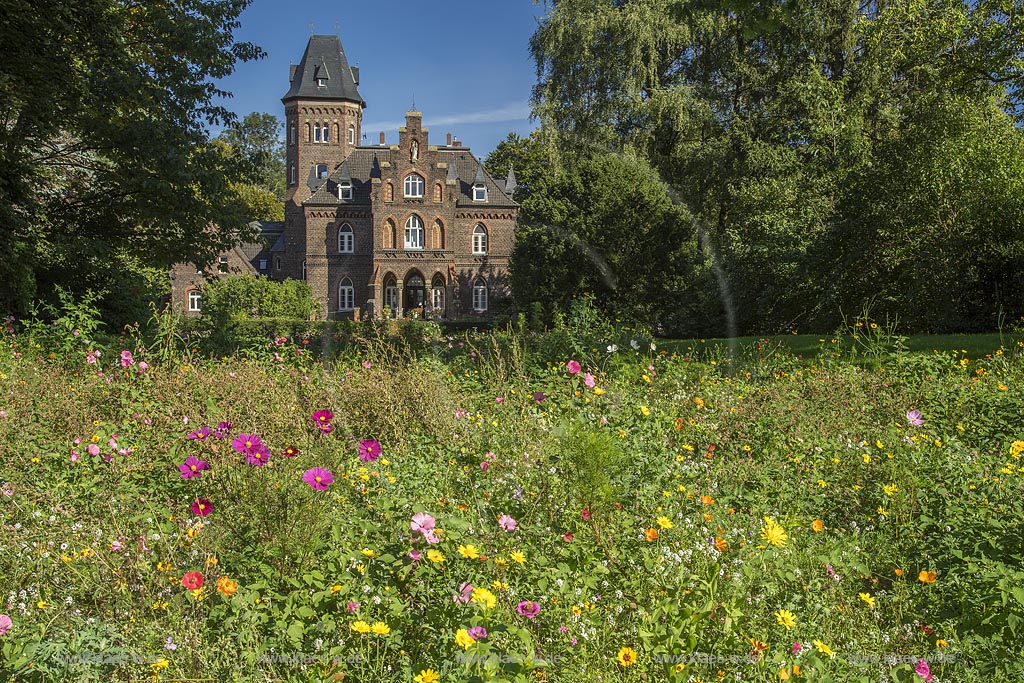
(195, 301)
(327, 133)
(292, 134)
(317, 135)
(321, 171)
(351, 135)
(413, 185)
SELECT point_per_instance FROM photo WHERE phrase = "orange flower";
(680, 424)
(899, 572)
(651, 534)
(720, 544)
(926, 577)
(707, 500)
(817, 525)
(227, 586)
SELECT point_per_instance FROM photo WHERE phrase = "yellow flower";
(774, 533)
(380, 628)
(626, 656)
(160, 664)
(501, 585)
(867, 458)
(427, 676)
(645, 410)
(891, 489)
(824, 649)
(878, 443)
(518, 556)
(664, 522)
(882, 511)
(1016, 448)
(941, 644)
(926, 577)
(360, 627)
(463, 639)
(866, 597)
(817, 525)
(484, 597)
(368, 552)
(159, 604)
(598, 391)
(435, 555)
(336, 588)
(469, 552)
(500, 562)
(42, 604)
(786, 618)
(699, 401)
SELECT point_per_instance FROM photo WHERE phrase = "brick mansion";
(408, 229)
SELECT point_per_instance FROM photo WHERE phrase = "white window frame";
(414, 232)
(346, 239)
(222, 264)
(195, 301)
(321, 82)
(345, 190)
(480, 193)
(346, 296)
(437, 297)
(413, 182)
(479, 295)
(327, 133)
(480, 240)
(316, 132)
(351, 134)
(391, 296)
(294, 175)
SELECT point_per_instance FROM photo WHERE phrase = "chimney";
(382, 138)
(456, 142)
(449, 143)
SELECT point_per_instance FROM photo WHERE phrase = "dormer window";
(321, 82)
(321, 171)
(479, 192)
(345, 189)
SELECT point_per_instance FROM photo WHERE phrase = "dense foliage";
(577, 506)
(105, 165)
(831, 152)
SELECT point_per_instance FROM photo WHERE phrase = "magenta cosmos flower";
(914, 418)
(126, 359)
(223, 429)
(369, 450)
(540, 397)
(246, 443)
(477, 633)
(924, 671)
(259, 456)
(5, 624)
(201, 507)
(423, 523)
(318, 478)
(528, 609)
(192, 467)
(507, 523)
(572, 367)
(589, 380)
(322, 420)
(199, 434)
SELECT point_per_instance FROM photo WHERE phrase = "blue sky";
(466, 63)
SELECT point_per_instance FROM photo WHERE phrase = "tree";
(259, 151)
(526, 156)
(104, 148)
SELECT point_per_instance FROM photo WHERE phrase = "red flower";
(927, 630)
(585, 513)
(192, 580)
(567, 537)
(291, 452)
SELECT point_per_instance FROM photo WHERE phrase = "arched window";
(351, 135)
(437, 295)
(303, 270)
(277, 262)
(345, 189)
(309, 132)
(346, 243)
(327, 133)
(479, 295)
(195, 300)
(437, 235)
(388, 236)
(292, 136)
(389, 192)
(293, 175)
(414, 185)
(414, 233)
(391, 293)
(479, 240)
(438, 193)
(346, 295)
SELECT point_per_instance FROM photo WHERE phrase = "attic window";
(321, 171)
(479, 192)
(345, 190)
(321, 82)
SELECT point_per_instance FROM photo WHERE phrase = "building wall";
(185, 278)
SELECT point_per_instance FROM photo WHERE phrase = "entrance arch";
(415, 294)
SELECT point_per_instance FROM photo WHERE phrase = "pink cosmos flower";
(5, 624)
(117, 546)
(246, 443)
(369, 450)
(572, 367)
(589, 380)
(477, 632)
(143, 366)
(279, 341)
(499, 400)
(192, 467)
(74, 455)
(291, 451)
(126, 359)
(415, 555)
(318, 478)
(485, 465)
(507, 523)
(93, 449)
(352, 606)
(367, 364)
(322, 420)
(91, 356)
(914, 418)
(797, 648)
(422, 522)
(540, 396)
(201, 507)
(259, 456)
(528, 609)
(223, 429)
(199, 434)
(465, 592)
(924, 671)
(461, 413)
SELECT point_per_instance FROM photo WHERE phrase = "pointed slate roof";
(510, 182)
(324, 58)
(453, 173)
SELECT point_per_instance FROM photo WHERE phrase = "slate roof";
(324, 58)
(364, 163)
(269, 233)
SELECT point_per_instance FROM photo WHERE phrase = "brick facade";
(411, 208)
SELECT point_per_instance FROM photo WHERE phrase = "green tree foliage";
(243, 296)
(813, 142)
(104, 157)
(258, 150)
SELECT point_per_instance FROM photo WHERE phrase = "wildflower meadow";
(509, 506)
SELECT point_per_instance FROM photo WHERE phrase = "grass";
(655, 516)
(811, 345)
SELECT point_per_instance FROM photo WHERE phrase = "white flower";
(612, 348)
(653, 346)
(635, 344)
